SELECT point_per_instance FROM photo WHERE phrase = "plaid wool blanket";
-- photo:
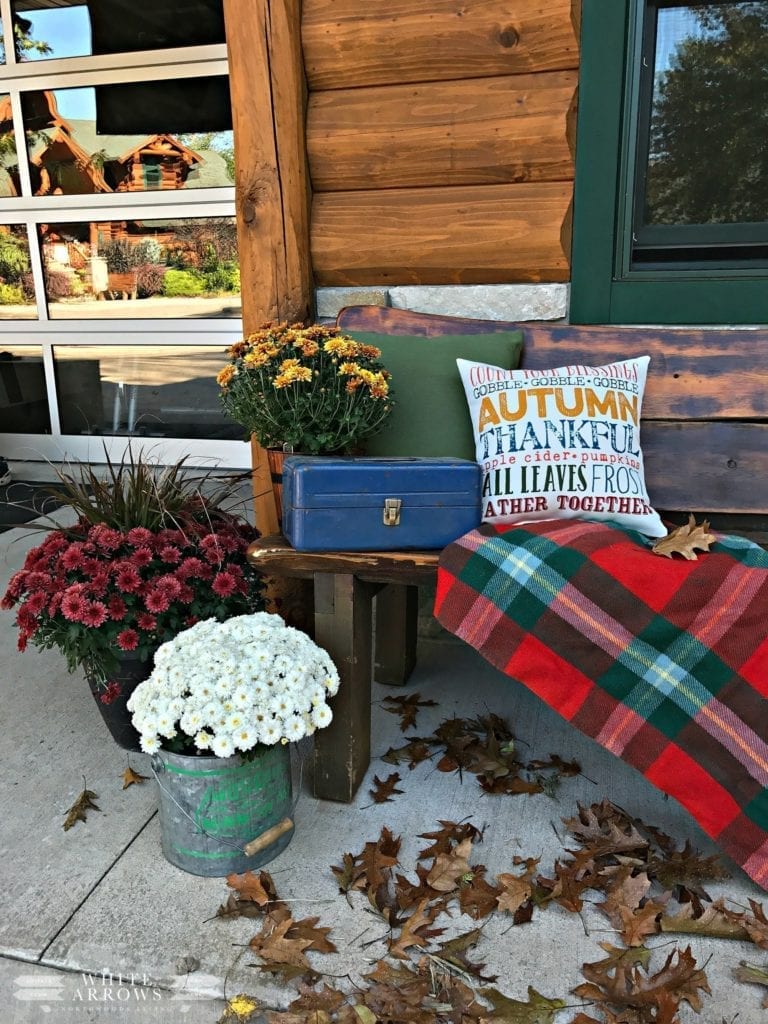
(663, 661)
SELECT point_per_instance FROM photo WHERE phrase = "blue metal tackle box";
(378, 504)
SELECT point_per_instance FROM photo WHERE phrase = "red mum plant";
(153, 550)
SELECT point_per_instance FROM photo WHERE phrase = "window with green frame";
(671, 201)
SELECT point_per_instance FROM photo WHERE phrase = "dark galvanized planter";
(112, 701)
(211, 808)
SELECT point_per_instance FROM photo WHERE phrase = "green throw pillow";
(430, 417)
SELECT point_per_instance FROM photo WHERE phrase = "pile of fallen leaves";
(483, 746)
(637, 876)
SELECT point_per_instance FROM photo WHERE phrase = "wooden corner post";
(272, 185)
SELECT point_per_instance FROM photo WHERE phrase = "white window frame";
(45, 333)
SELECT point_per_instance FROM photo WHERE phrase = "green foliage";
(225, 278)
(11, 295)
(708, 163)
(178, 283)
(14, 258)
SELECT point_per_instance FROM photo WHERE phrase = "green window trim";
(602, 291)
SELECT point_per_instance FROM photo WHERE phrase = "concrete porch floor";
(90, 912)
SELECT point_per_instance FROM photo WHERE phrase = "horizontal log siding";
(352, 43)
(471, 132)
(497, 233)
(440, 140)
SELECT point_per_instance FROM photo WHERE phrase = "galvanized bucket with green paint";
(211, 808)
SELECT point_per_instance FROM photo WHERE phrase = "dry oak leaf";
(407, 707)
(678, 980)
(537, 1010)
(307, 928)
(274, 946)
(754, 975)
(256, 888)
(384, 790)
(396, 993)
(414, 753)
(515, 891)
(712, 922)
(449, 867)
(685, 540)
(599, 828)
(454, 953)
(444, 839)
(477, 896)
(131, 778)
(416, 931)
(78, 810)
(377, 859)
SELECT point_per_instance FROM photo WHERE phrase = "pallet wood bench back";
(705, 439)
(704, 429)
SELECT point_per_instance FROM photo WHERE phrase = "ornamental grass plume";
(223, 688)
(311, 388)
(151, 553)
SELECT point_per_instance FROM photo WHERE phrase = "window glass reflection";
(141, 391)
(130, 138)
(76, 29)
(142, 268)
(29, 45)
(17, 289)
(23, 395)
(10, 184)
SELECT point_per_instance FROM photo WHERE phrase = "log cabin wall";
(440, 140)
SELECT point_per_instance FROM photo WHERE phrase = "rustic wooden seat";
(705, 439)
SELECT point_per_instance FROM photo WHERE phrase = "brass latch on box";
(392, 511)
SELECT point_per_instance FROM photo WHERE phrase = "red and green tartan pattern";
(663, 661)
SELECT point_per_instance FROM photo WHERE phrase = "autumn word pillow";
(562, 443)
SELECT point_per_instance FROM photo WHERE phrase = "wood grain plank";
(275, 555)
(694, 374)
(463, 235)
(474, 131)
(348, 43)
(272, 195)
(709, 467)
(272, 188)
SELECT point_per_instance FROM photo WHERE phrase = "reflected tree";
(708, 160)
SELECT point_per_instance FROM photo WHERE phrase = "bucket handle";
(261, 842)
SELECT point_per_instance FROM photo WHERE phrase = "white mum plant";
(223, 687)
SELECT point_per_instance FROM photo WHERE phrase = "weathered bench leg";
(343, 626)
(397, 615)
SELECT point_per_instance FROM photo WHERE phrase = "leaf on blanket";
(384, 790)
(407, 707)
(686, 540)
(78, 810)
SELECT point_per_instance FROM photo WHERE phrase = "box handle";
(392, 508)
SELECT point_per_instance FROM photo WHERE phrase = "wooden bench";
(705, 440)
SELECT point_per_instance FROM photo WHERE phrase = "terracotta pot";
(112, 701)
(275, 459)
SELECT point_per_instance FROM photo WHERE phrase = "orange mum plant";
(311, 388)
